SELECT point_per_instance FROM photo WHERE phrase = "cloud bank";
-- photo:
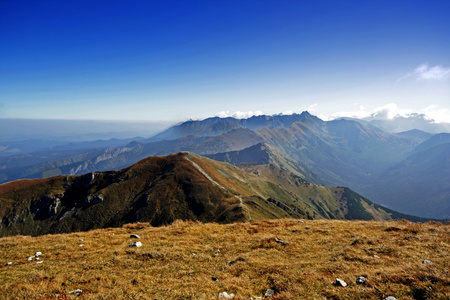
(425, 72)
(238, 114)
(391, 111)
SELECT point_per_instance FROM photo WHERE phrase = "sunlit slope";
(160, 190)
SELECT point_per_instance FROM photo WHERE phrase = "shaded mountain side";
(265, 154)
(160, 190)
(340, 152)
(419, 185)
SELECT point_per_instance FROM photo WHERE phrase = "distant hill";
(419, 185)
(417, 134)
(435, 140)
(161, 190)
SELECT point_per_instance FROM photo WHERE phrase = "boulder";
(76, 292)
(226, 295)
(135, 244)
(361, 280)
(340, 282)
(269, 293)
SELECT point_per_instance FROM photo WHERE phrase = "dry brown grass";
(190, 260)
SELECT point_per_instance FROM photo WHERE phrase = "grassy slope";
(182, 260)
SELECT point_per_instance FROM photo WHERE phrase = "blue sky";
(175, 60)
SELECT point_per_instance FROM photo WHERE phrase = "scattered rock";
(235, 261)
(226, 295)
(38, 254)
(427, 262)
(134, 236)
(135, 244)
(376, 256)
(269, 293)
(30, 258)
(301, 221)
(40, 262)
(81, 240)
(390, 298)
(280, 241)
(214, 278)
(76, 292)
(81, 245)
(9, 263)
(256, 298)
(340, 282)
(361, 280)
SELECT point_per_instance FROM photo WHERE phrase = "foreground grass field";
(189, 260)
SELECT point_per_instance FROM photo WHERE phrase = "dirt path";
(220, 186)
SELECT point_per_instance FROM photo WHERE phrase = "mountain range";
(343, 152)
(160, 190)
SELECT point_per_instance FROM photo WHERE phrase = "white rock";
(9, 263)
(30, 258)
(81, 245)
(427, 262)
(361, 280)
(135, 244)
(255, 298)
(269, 293)
(135, 236)
(37, 258)
(40, 262)
(340, 282)
(390, 298)
(226, 295)
(76, 292)
(38, 254)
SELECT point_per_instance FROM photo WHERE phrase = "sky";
(175, 60)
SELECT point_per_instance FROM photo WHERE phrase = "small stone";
(134, 236)
(37, 258)
(135, 244)
(361, 280)
(40, 262)
(226, 295)
(38, 254)
(269, 293)
(390, 298)
(9, 263)
(427, 262)
(76, 292)
(340, 282)
(376, 256)
(256, 298)
(81, 240)
(81, 245)
(214, 278)
(30, 258)
(280, 241)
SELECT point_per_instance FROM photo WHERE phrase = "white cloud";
(438, 114)
(238, 114)
(391, 110)
(384, 112)
(425, 72)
